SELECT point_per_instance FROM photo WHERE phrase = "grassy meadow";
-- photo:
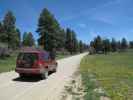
(108, 75)
(8, 63)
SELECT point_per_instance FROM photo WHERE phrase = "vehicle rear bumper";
(28, 70)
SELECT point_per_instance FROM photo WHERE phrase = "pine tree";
(49, 30)
(74, 42)
(131, 44)
(24, 42)
(31, 39)
(61, 39)
(76, 47)
(69, 44)
(9, 29)
(118, 45)
(113, 45)
(106, 46)
(124, 44)
(18, 37)
(80, 46)
(92, 44)
(0, 28)
(1, 32)
(98, 44)
(28, 39)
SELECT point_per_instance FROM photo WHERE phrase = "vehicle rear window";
(28, 56)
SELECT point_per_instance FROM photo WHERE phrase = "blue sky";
(88, 18)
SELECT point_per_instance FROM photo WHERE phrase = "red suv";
(35, 62)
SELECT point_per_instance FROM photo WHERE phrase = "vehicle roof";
(32, 50)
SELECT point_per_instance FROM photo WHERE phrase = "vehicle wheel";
(55, 70)
(21, 75)
(44, 75)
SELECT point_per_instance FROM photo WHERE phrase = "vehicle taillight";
(18, 62)
(37, 64)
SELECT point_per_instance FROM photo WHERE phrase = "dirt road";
(14, 88)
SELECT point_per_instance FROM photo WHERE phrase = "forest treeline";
(51, 35)
(101, 45)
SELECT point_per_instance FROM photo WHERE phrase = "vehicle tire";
(21, 75)
(55, 70)
(44, 75)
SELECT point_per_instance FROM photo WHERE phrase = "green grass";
(112, 72)
(61, 56)
(7, 64)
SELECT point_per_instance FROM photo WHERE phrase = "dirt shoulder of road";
(74, 90)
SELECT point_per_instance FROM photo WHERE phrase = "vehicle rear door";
(26, 60)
